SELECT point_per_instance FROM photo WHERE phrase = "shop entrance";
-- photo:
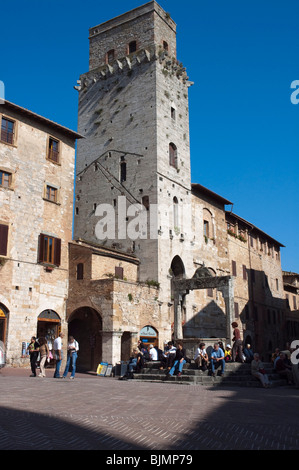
(85, 325)
(49, 327)
(148, 335)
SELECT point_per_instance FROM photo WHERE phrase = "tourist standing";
(58, 354)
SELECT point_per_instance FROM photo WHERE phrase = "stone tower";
(135, 159)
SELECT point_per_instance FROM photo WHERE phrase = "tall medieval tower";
(135, 159)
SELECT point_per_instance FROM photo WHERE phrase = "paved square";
(91, 413)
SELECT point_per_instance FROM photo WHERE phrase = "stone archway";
(203, 279)
(85, 325)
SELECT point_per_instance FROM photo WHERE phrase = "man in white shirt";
(153, 353)
(58, 354)
(201, 357)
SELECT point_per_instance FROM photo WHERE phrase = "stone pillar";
(111, 346)
(178, 329)
(228, 295)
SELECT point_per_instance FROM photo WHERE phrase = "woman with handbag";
(258, 371)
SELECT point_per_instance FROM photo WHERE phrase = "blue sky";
(242, 56)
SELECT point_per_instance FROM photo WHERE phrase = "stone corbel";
(129, 63)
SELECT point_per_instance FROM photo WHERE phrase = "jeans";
(133, 365)
(70, 358)
(215, 364)
(179, 364)
(58, 365)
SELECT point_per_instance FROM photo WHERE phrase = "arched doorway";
(149, 335)
(177, 268)
(85, 325)
(3, 323)
(48, 326)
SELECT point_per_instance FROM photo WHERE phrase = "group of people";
(38, 349)
(284, 367)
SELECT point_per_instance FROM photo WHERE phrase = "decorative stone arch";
(203, 279)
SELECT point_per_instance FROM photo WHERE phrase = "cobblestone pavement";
(93, 413)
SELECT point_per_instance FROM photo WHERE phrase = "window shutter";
(57, 251)
(234, 268)
(41, 248)
(3, 239)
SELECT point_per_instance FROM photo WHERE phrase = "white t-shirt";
(58, 344)
(153, 354)
(73, 345)
(198, 352)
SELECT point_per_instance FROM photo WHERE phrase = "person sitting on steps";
(180, 360)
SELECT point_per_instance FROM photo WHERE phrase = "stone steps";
(236, 374)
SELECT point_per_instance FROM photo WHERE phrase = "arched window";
(173, 155)
(165, 46)
(132, 47)
(110, 56)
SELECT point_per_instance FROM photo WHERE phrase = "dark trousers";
(33, 359)
(237, 347)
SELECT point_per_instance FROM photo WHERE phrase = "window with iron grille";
(5, 179)
(7, 130)
(53, 150)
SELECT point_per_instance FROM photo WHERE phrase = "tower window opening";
(173, 157)
(132, 47)
(165, 46)
(123, 170)
(110, 56)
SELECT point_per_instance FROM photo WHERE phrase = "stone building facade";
(134, 192)
(141, 227)
(37, 159)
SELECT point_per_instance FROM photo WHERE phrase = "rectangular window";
(7, 130)
(49, 250)
(244, 273)
(5, 179)
(234, 268)
(236, 310)
(3, 239)
(51, 194)
(294, 303)
(53, 150)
